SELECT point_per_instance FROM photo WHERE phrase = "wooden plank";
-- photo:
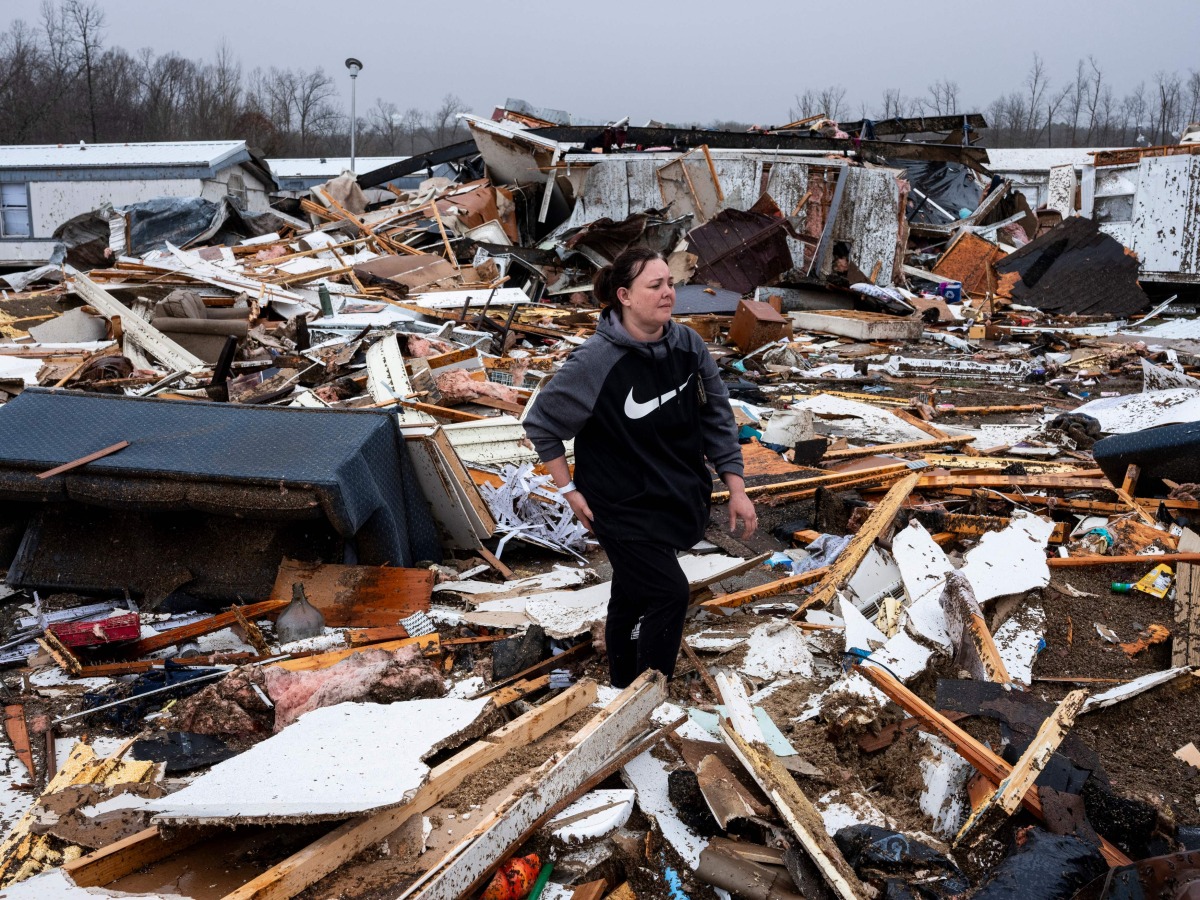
(982, 758)
(1185, 642)
(905, 447)
(1150, 561)
(991, 410)
(965, 623)
(848, 560)
(815, 481)
(175, 636)
(84, 460)
(593, 890)
(362, 596)
(917, 422)
(1010, 792)
(701, 669)
(18, 735)
(558, 782)
(150, 339)
(771, 589)
(581, 650)
(428, 644)
(328, 853)
(886, 479)
(744, 738)
(1078, 482)
(126, 856)
(359, 636)
(492, 560)
(520, 690)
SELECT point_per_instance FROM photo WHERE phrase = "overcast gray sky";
(695, 61)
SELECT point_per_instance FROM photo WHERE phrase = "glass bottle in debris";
(299, 619)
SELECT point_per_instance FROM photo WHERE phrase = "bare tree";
(87, 18)
(384, 121)
(894, 104)
(826, 101)
(412, 126)
(1169, 89)
(943, 96)
(444, 121)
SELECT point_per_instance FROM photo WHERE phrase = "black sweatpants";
(646, 610)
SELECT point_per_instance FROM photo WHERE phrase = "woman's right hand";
(581, 509)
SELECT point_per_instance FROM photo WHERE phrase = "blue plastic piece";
(674, 884)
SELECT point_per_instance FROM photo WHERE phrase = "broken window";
(14, 211)
(236, 189)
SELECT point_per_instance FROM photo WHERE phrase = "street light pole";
(355, 66)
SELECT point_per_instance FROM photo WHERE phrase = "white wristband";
(567, 488)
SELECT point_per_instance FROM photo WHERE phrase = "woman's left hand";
(741, 508)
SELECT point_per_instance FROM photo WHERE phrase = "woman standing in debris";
(646, 406)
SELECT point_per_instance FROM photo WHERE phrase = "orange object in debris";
(1155, 634)
(515, 879)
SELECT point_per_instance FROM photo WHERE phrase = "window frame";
(4, 235)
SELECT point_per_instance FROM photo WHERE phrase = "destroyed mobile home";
(291, 608)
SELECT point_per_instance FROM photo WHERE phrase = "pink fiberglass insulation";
(378, 676)
(457, 385)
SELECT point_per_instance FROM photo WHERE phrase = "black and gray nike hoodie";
(644, 415)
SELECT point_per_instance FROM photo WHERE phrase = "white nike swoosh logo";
(635, 410)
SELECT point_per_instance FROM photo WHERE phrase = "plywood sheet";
(359, 596)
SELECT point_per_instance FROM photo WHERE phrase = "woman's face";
(651, 297)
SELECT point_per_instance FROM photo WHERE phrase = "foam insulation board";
(777, 648)
(331, 763)
(945, 773)
(1010, 561)
(647, 774)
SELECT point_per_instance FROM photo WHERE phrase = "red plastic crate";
(125, 627)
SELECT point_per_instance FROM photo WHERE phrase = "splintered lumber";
(574, 654)
(590, 752)
(906, 447)
(176, 636)
(968, 631)
(963, 523)
(1185, 644)
(771, 589)
(990, 410)
(921, 425)
(428, 644)
(1150, 560)
(328, 853)
(885, 479)
(137, 329)
(743, 735)
(982, 758)
(84, 460)
(1084, 481)
(364, 596)
(18, 734)
(847, 562)
(1010, 792)
(23, 853)
(831, 480)
(524, 688)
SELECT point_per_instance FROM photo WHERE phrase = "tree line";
(1084, 111)
(60, 81)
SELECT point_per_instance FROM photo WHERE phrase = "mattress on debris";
(224, 459)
